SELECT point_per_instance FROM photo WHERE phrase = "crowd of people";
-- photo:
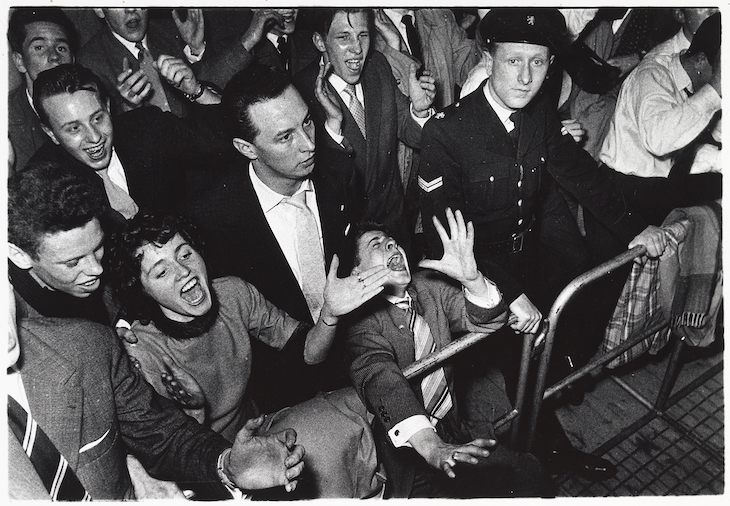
(230, 230)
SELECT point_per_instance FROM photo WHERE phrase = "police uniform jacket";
(469, 162)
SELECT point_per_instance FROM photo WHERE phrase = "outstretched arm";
(341, 295)
(445, 456)
(458, 260)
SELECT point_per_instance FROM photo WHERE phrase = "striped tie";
(436, 396)
(60, 481)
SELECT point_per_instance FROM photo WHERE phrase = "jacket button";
(386, 419)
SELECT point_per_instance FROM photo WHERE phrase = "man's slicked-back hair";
(66, 78)
(323, 18)
(21, 17)
(48, 198)
(124, 264)
(256, 83)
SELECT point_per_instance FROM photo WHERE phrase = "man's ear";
(245, 148)
(19, 257)
(18, 62)
(319, 42)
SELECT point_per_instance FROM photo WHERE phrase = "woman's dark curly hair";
(124, 263)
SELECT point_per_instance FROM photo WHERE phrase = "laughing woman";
(193, 345)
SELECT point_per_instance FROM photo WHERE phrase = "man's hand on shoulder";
(264, 461)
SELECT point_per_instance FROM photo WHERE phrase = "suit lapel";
(54, 392)
(372, 90)
(264, 250)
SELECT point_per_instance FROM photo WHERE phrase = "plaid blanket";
(683, 288)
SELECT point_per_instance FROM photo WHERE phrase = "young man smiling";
(40, 39)
(375, 113)
(145, 157)
(75, 380)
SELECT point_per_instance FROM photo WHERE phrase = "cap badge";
(531, 20)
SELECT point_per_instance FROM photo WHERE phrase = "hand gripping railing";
(431, 361)
(547, 335)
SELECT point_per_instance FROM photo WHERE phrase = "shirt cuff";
(122, 324)
(335, 137)
(707, 99)
(235, 492)
(422, 121)
(489, 301)
(190, 56)
(404, 430)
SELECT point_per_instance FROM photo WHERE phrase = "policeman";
(500, 157)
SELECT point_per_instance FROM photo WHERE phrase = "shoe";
(565, 458)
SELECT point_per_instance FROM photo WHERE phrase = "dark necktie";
(60, 481)
(282, 44)
(436, 396)
(515, 132)
(414, 40)
(637, 33)
(157, 96)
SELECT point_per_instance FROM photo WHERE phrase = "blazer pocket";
(93, 450)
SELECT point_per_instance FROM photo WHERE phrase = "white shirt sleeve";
(491, 300)
(335, 137)
(422, 121)
(190, 56)
(403, 431)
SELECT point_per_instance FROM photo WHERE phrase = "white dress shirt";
(339, 85)
(132, 48)
(655, 116)
(282, 218)
(116, 172)
(396, 18)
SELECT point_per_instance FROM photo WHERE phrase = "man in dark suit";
(123, 52)
(147, 158)
(75, 381)
(252, 232)
(271, 38)
(375, 113)
(423, 437)
(525, 236)
(39, 39)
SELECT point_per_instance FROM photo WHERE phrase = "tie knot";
(350, 90)
(407, 20)
(281, 41)
(296, 200)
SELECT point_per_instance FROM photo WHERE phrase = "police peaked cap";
(542, 26)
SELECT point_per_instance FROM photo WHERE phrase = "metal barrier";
(547, 337)
(429, 362)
